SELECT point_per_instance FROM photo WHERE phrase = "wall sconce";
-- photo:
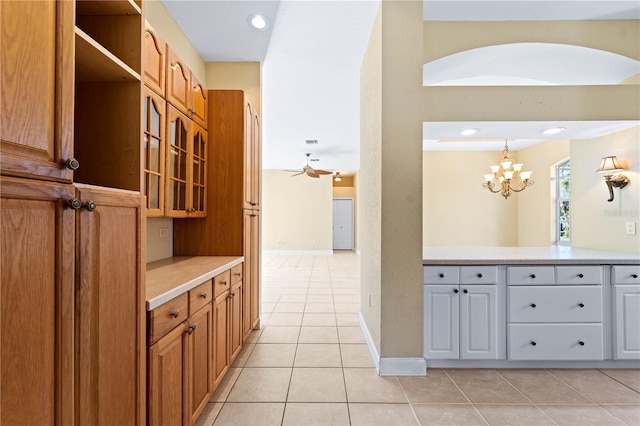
(608, 166)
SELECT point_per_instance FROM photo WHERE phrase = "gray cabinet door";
(627, 321)
(442, 324)
(478, 322)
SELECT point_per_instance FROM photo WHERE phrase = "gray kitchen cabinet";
(626, 315)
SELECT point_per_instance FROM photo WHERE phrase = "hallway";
(309, 365)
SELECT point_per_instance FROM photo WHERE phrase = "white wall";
(296, 212)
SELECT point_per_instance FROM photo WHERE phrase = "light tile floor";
(309, 365)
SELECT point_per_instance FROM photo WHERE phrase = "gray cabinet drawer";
(578, 275)
(478, 275)
(555, 304)
(530, 275)
(555, 342)
(441, 275)
(625, 275)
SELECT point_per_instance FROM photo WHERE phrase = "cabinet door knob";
(191, 329)
(175, 314)
(532, 276)
(223, 282)
(441, 275)
(634, 275)
(533, 343)
(580, 275)
(73, 204)
(203, 295)
(581, 343)
(581, 305)
(72, 164)
(233, 295)
(90, 206)
(254, 204)
(465, 291)
(479, 275)
(533, 305)
(455, 290)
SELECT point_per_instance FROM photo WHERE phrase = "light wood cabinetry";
(461, 312)
(155, 61)
(220, 338)
(178, 90)
(232, 186)
(36, 75)
(227, 323)
(110, 322)
(153, 151)
(37, 301)
(200, 352)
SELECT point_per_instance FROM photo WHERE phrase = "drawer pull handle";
(533, 343)
(479, 275)
(456, 291)
(532, 276)
(465, 291)
(581, 305)
(441, 275)
(191, 329)
(580, 275)
(203, 295)
(237, 274)
(581, 343)
(533, 305)
(223, 282)
(175, 314)
(634, 275)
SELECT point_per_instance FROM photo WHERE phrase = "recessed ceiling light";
(469, 132)
(554, 130)
(259, 22)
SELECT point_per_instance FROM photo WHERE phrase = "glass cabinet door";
(153, 152)
(178, 131)
(198, 173)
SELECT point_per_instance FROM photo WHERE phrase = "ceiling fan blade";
(313, 175)
(323, 172)
(298, 174)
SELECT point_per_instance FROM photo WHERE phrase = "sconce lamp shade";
(609, 165)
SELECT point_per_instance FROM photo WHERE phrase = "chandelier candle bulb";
(488, 177)
(495, 169)
(526, 175)
(508, 175)
(506, 164)
(517, 167)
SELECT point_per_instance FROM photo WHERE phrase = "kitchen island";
(530, 307)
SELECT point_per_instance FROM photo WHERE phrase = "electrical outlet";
(164, 232)
(631, 228)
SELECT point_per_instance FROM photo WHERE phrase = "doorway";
(343, 224)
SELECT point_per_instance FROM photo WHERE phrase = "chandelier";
(509, 176)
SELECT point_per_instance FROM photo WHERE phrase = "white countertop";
(169, 278)
(524, 255)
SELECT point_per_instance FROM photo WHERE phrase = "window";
(563, 203)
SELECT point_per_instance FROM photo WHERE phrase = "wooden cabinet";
(198, 105)
(153, 152)
(110, 322)
(37, 302)
(155, 61)
(233, 191)
(200, 353)
(186, 167)
(461, 312)
(167, 374)
(178, 90)
(220, 338)
(36, 75)
(235, 321)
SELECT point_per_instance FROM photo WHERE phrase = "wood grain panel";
(200, 360)
(110, 365)
(154, 61)
(36, 303)
(36, 100)
(199, 104)
(178, 89)
(220, 339)
(166, 317)
(235, 321)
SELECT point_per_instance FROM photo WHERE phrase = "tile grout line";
(614, 379)
(528, 399)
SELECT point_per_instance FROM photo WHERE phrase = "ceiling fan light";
(337, 177)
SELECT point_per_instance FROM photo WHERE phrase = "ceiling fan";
(310, 171)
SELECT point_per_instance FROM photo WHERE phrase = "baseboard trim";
(403, 367)
(372, 347)
(297, 251)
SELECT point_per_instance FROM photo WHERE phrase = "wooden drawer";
(530, 275)
(555, 304)
(578, 275)
(625, 275)
(478, 275)
(236, 273)
(200, 296)
(441, 275)
(556, 342)
(221, 283)
(167, 316)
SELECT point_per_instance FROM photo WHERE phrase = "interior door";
(343, 223)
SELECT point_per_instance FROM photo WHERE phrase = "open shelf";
(95, 63)
(107, 7)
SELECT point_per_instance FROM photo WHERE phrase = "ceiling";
(311, 53)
